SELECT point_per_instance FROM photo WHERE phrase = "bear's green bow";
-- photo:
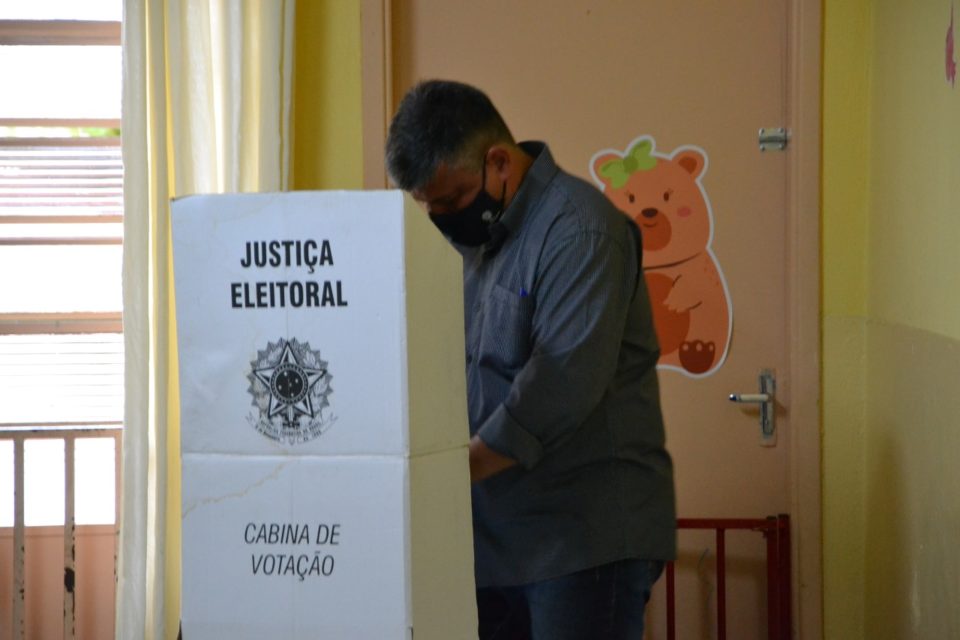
(637, 159)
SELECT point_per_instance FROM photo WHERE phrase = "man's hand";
(485, 462)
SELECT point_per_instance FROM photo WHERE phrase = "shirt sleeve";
(583, 291)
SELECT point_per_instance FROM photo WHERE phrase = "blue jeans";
(602, 603)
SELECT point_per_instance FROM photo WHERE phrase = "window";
(61, 345)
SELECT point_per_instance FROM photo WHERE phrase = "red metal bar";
(721, 585)
(776, 531)
(786, 597)
(773, 571)
(753, 524)
(779, 622)
(671, 604)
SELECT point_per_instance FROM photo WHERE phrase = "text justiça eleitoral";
(268, 294)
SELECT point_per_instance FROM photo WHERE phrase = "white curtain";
(206, 108)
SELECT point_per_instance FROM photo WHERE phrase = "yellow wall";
(846, 153)
(891, 323)
(915, 227)
(327, 136)
(913, 342)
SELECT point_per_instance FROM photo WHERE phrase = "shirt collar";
(534, 183)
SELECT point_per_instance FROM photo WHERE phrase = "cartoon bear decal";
(664, 195)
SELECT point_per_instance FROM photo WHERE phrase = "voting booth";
(323, 419)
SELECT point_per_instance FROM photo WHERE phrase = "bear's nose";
(650, 213)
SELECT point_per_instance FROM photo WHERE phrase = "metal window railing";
(69, 435)
(776, 530)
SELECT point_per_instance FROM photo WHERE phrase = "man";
(573, 503)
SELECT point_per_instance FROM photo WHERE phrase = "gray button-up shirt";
(561, 376)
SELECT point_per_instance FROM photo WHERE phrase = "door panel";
(586, 76)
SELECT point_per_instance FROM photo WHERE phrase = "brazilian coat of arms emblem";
(290, 387)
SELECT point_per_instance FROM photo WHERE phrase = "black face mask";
(470, 226)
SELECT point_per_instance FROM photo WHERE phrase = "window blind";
(61, 379)
(49, 181)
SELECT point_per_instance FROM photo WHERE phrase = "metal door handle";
(750, 397)
(767, 399)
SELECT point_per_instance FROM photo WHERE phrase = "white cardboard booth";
(323, 419)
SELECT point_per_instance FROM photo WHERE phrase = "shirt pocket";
(505, 342)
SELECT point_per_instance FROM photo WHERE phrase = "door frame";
(804, 70)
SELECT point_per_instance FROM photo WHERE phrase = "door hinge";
(774, 139)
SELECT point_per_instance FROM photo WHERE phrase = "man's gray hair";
(440, 121)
